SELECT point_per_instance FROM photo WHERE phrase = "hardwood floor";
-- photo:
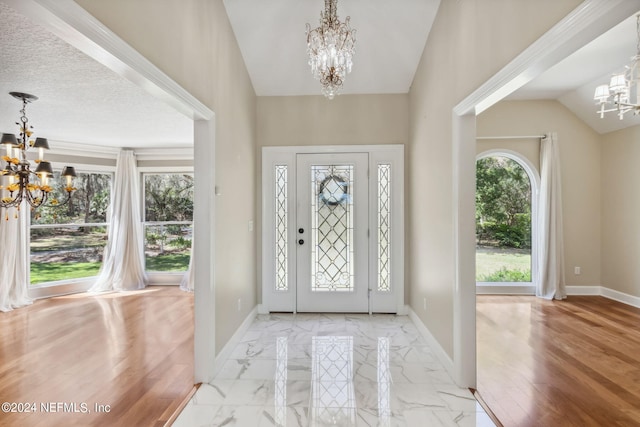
(132, 351)
(559, 363)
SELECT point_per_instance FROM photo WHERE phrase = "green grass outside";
(53, 271)
(491, 264)
(71, 240)
(168, 262)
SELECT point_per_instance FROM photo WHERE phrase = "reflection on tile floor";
(332, 370)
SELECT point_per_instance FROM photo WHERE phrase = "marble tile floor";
(332, 370)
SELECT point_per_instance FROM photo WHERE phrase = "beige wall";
(528, 148)
(316, 120)
(580, 155)
(345, 120)
(469, 42)
(192, 42)
(620, 207)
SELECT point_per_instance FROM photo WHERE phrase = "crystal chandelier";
(17, 177)
(623, 87)
(331, 47)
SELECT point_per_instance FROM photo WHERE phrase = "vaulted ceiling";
(83, 101)
(573, 80)
(390, 38)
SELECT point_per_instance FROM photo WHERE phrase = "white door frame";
(286, 156)
(585, 23)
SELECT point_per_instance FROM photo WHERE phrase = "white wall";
(620, 211)
(580, 154)
(469, 42)
(192, 41)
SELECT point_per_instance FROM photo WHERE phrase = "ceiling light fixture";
(20, 181)
(622, 87)
(331, 47)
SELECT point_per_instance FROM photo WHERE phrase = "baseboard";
(164, 279)
(442, 355)
(584, 290)
(621, 297)
(60, 289)
(602, 291)
(404, 310)
(233, 341)
(262, 309)
(502, 289)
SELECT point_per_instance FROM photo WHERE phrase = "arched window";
(506, 209)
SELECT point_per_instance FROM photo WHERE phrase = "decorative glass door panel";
(332, 228)
(332, 216)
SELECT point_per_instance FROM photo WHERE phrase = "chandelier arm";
(61, 203)
(35, 201)
(624, 104)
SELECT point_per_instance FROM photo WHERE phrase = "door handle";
(300, 230)
(301, 242)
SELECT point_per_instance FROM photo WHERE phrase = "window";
(503, 220)
(67, 241)
(282, 229)
(168, 221)
(384, 227)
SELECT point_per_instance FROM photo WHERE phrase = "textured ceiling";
(390, 39)
(573, 80)
(83, 101)
(80, 100)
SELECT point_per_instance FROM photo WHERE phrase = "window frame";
(534, 181)
(160, 277)
(65, 286)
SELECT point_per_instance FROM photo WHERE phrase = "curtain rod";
(512, 137)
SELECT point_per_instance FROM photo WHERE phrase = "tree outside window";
(503, 221)
(168, 216)
(67, 241)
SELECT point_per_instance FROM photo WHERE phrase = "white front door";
(332, 229)
(332, 215)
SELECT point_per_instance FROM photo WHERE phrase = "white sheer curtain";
(123, 263)
(14, 261)
(187, 283)
(550, 243)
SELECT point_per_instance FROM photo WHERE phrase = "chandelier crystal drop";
(331, 47)
(623, 87)
(18, 182)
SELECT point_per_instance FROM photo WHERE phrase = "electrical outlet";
(251, 225)
(577, 271)
(424, 304)
(239, 304)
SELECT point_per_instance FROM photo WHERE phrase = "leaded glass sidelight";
(281, 219)
(384, 228)
(332, 245)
